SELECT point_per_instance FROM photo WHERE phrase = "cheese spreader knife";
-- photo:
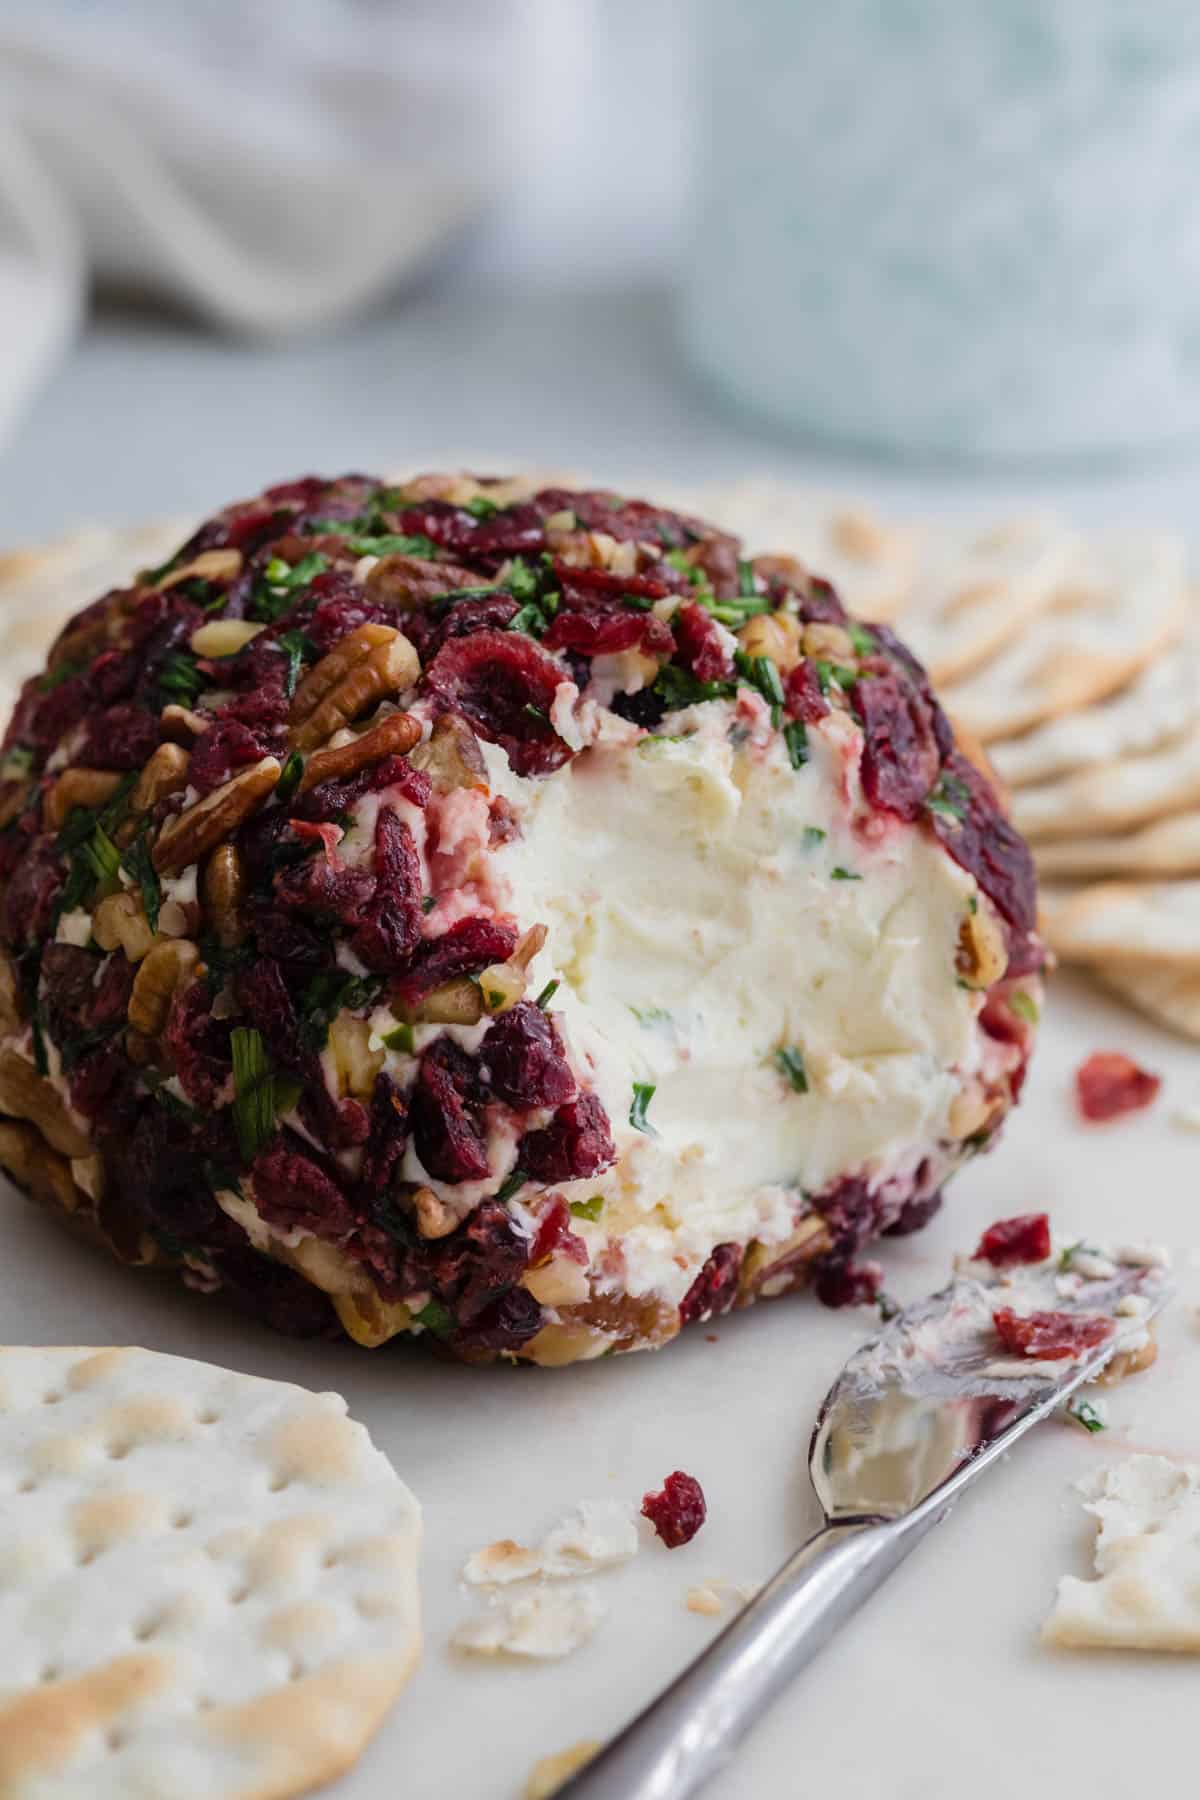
(912, 1419)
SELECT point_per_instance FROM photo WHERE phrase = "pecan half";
(392, 736)
(383, 673)
(451, 756)
(982, 955)
(165, 773)
(182, 724)
(78, 787)
(166, 969)
(24, 1094)
(409, 582)
(325, 675)
(190, 835)
(120, 922)
(224, 886)
(34, 1166)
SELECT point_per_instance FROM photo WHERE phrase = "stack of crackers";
(1071, 658)
(1074, 659)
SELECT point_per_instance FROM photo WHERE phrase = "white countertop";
(940, 1687)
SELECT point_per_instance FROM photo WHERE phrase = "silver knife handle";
(690, 1732)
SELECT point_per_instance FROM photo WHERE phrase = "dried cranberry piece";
(504, 685)
(715, 1287)
(554, 1236)
(841, 1282)
(447, 1114)
(291, 1191)
(103, 1088)
(110, 995)
(986, 845)
(677, 1510)
(577, 584)
(315, 887)
(68, 975)
(274, 1296)
(391, 919)
(482, 1259)
(1050, 1336)
(513, 531)
(330, 798)
(527, 1065)
(121, 737)
(576, 1143)
(386, 1140)
(598, 632)
(820, 603)
(469, 946)
(900, 757)
(802, 693)
(262, 994)
(29, 899)
(41, 719)
(289, 939)
(702, 646)
(1110, 1084)
(221, 751)
(914, 1215)
(198, 1045)
(1023, 1239)
(487, 612)
(340, 613)
(113, 675)
(507, 1323)
(626, 520)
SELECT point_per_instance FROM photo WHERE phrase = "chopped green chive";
(103, 855)
(795, 738)
(139, 866)
(746, 578)
(259, 1095)
(790, 1062)
(651, 1015)
(280, 581)
(840, 874)
(547, 994)
(588, 1209)
(434, 1317)
(296, 646)
(643, 1094)
(289, 779)
(330, 992)
(482, 508)
(813, 835)
(65, 672)
(512, 1184)
(864, 642)
(950, 799)
(1087, 1415)
(401, 1039)
(1025, 1006)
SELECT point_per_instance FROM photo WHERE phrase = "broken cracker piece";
(541, 1622)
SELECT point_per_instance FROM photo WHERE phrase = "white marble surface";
(940, 1688)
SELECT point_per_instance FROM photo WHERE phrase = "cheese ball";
(515, 917)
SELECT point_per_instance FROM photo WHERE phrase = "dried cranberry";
(554, 1236)
(1050, 1336)
(841, 1282)
(802, 693)
(715, 1287)
(315, 887)
(340, 613)
(677, 1510)
(1023, 1239)
(702, 644)
(504, 685)
(629, 521)
(469, 946)
(122, 737)
(598, 632)
(391, 919)
(986, 845)
(914, 1215)
(68, 974)
(1110, 1083)
(447, 1115)
(292, 1192)
(482, 1259)
(198, 1045)
(506, 1323)
(274, 1296)
(262, 994)
(220, 752)
(900, 757)
(29, 899)
(513, 531)
(386, 1140)
(576, 1143)
(525, 1059)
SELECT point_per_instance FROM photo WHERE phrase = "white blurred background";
(243, 237)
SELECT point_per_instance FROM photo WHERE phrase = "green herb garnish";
(280, 581)
(840, 874)
(643, 1094)
(297, 647)
(481, 507)
(789, 1060)
(547, 994)
(512, 1184)
(103, 855)
(401, 1039)
(1025, 1006)
(289, 779)
(330, 992)
(795, 737)
(179, 678)
(950, 799)
(831, 673)
(865, 644)
(588, 1209)
(139, 866)
(1087, 1415)
(260, 1094)
(65, 672)
(762, 673)
(813, 835)
(434, 1317)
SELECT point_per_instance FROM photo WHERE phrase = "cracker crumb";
(499, 1563)
(541, 1622)
(548, 1774)
(704, 1599)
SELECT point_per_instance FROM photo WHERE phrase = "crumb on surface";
(549, 1772)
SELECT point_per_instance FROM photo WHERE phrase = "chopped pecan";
(774, 635)
(451, 756)
(224, 886)
(120, 922)
(166, 969)
(24, 1094)
(165, 773)
(34, 1166)
(325, 675)
(190, 835)
(78, 787)
(10, 996)
(380, 675)
(181, 724)
(392, 736)
(982, 955)
(408, 582)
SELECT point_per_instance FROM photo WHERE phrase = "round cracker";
(1129, 921)
(1113, 796)
(1158, 707)
(1162, 992)
(1121, 603)
(1167, 847)
(208, 1581)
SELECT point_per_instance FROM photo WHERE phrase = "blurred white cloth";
(272, 165)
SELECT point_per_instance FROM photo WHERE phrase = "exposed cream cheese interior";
(707, 907)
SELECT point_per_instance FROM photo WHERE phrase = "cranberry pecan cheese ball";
(514, 917)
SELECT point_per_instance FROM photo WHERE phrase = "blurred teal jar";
(952, 227)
